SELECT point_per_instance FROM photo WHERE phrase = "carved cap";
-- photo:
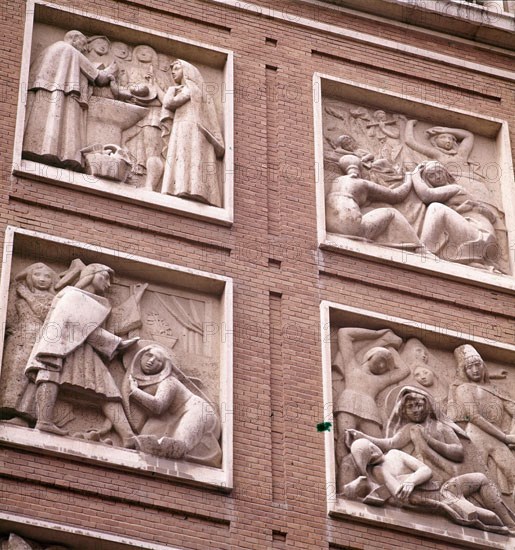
(466, 354)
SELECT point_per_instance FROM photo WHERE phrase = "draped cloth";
(57, 101)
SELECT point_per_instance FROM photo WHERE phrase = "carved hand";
(510, 440)
(133, 385)
(405, 490)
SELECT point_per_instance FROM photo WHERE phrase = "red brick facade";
(280, 275)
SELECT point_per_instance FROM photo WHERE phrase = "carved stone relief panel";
(424, 427)
(129, 113)
(399, 175)
(119, 354)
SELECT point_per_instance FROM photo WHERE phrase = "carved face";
(380, 115)
(101, 282)
(347, 142)
(152, 361)
(42, 278)
(177, 72)
(447, 142)
(120, 50)
(145, 54)
(475, 370)
(100, 46)
(424, 377)
(421, 354)
(415, 408)
(378, 363)
(436, 175)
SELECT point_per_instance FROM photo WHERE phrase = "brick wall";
(279, 499)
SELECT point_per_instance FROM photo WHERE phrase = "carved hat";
(465, 355)
(364, 452)
(81, 275)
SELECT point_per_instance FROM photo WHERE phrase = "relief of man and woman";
(64, 334)
(174, 148)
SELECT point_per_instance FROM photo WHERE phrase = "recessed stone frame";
(67, 537)
(438, 344)
(483, 254)
(185, 313)
(117, 163)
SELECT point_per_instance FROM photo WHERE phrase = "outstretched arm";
(465, 138)
(398, 441)
(409, 137)
(466, 396)
(392, 196)
(347, 337)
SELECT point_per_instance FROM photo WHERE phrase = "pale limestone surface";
(444, 202)
(111, 360)
(92, 115)
(150, 117)
(420, 425)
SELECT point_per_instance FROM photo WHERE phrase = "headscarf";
(208, 118)
(397, 419)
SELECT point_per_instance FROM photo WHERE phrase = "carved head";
(470, 364)
(38, 276)
(182, 71)
(380, 115)
(424, 376)
(96, 278)
(121, 51)
(444, 141)
(153, 360)
(415, 407)
(99, 44)
(350, 165)
(145, 54)
(378, 360)
(365, 453)
(346, 142)
(435, 174)
(77, 40)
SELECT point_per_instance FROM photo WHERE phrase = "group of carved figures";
(425, 196)
(176, 142)
(63, 335)
(425, 449)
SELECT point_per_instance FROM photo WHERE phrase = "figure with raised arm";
(350, 193)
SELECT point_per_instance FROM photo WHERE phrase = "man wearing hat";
(74, 347)
(487, 411)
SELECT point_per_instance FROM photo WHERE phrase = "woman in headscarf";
(420, 428)
(195, 144)
(171, 416)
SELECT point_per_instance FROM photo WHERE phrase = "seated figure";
(170, 419)
(350, 193)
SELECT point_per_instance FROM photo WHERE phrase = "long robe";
(57, 101)
(191, 169)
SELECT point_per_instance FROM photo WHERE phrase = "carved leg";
(115, 413)
(46, 396)
(155, 170)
